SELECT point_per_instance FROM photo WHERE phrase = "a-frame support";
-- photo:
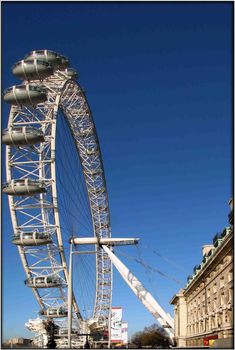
(141, 292)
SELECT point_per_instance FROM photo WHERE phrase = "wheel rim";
(40, 212)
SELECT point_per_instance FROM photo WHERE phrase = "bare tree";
(152, 336)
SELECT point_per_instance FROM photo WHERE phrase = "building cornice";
(197, 279)
(178, 295)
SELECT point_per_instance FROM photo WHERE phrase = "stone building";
(203, 310)
(19, 342)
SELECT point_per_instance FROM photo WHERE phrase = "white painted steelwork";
(39, 212)
(143, 295)
(106, 241)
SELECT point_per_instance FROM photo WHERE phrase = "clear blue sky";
(158, 78)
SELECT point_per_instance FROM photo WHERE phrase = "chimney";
(206, 249)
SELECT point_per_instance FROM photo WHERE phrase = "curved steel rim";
(62, 99)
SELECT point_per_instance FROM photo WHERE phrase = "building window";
(208, 292)
(209, 306)
(226, 296)
(230, 294)
(213, 321)
(222, 299)
(230, 275)
(219, 321)
(215, 303)
(215, 288)
(221, 282)
(201, 311)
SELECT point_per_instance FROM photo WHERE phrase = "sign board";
(124, 333)
(116, 325)
(210, 340)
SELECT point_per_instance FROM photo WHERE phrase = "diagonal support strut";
(142, 294)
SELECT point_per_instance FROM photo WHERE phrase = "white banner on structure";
(124, 333)
(116, 325)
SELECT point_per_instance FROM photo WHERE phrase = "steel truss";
(40, 212)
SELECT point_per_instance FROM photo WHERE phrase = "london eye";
(58, 199)
(48, 104)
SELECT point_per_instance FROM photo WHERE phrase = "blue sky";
(158, 77)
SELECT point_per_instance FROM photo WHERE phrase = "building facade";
(203, 310)
(19, 341)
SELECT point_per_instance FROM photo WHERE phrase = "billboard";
(116, 325)
(124, 333)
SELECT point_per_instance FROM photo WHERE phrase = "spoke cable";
(145, 265)
(169, 261)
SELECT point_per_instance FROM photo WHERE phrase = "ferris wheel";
(48, 95)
